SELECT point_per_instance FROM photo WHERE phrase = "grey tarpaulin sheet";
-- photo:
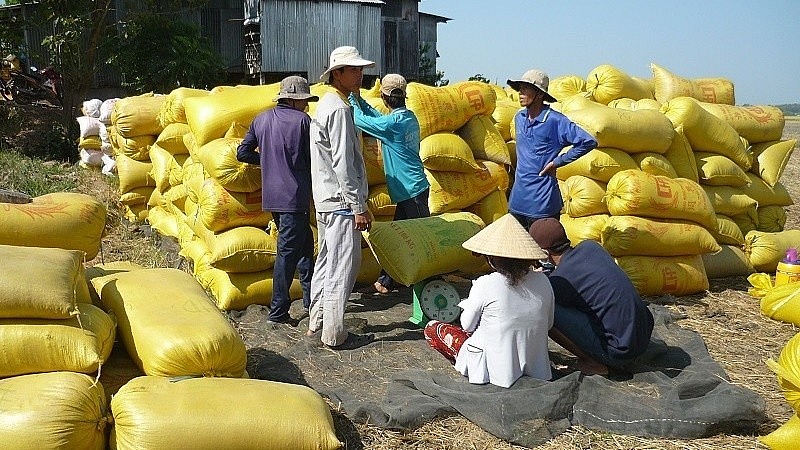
(675, 390)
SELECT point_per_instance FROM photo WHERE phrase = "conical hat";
(505, 237)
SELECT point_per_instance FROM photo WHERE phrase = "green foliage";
(479, 77)
(427, 69)
(792, 109)
(36, 132)
(33, 176)
(157, 53)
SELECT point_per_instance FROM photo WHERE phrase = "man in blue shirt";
(398, 132)
(541, 134)
(282, 137)
(599, 316)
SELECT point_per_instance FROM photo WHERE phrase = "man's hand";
(363, 221)
(549, 169)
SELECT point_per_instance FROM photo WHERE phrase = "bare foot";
(591, 367)
(381, 289)
(310, 333)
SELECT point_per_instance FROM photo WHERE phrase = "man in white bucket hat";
(340, 200)
(541, 134)
(507, 315)
(282, 136)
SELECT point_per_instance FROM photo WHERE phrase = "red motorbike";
(34, 87)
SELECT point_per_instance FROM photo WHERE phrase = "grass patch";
(35, 177)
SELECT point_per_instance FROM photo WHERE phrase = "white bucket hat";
(295, 87)
(505, 237)
(536, 78)
(345, 56)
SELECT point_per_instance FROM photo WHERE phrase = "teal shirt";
(398, 132)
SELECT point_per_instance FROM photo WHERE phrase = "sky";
(754, 44)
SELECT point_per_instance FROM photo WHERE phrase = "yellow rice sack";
(135, 147)
(160, 313)
(765, 250)
(635, 193)
(161, 220)
(583, 196)
(584, 228)
(369, 270)
(718, 170)
(67, 220)
(512, 152)
(448, 108)
(171, 138)
(485, 141)
(668, 86)
(633, 105)
(133, 174)
(606, 83)
(727, 231)
(632, 131)
(158, 414)
(784, 437)
(771, 219)
(764, 194)
(218, 158)
(756, 123)
(135, 213)
(782, 303)
(658, 275)
(655, 164)
(566, 86)
(631, 235)
(599, 164)
(747, 222)
(379, 202)
(210, 116)
(99, 270)
(504, 112)
(172, 110)
(90, 143)
(63, 410)
(731, 201)
(137, 196)
(373, 160)
(681, 156)
(730, 261)
(220, 209)
(416, 249)
(80, 343)
(787, 368)
(457, 190)
(448, 152)
(239, 249)
(167, 167)
(705, 132)
(137, 115)
(771, 159)
(491, 207)
(44, 283)
(237, 291)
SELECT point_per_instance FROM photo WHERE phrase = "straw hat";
(537, 78)
(345, 56)
(505, 237)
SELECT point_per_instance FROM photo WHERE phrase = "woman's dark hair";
(394, 102)
(512, 268)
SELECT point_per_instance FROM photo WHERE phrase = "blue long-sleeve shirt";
(539, 142)
(282, 136)
(398, 132)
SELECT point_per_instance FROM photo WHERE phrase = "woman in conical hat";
(507, 315)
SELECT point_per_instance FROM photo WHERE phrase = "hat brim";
(516, 83)
(356, 62)
(309, 97)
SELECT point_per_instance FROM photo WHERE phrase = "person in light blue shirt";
(541, 134)
(399, 134)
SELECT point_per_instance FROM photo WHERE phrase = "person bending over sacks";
(507, 315)
(599, 316)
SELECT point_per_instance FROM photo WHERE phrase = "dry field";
(737, 336)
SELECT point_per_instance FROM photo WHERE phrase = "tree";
(479, 77)
(182, 58)
(427, 68)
